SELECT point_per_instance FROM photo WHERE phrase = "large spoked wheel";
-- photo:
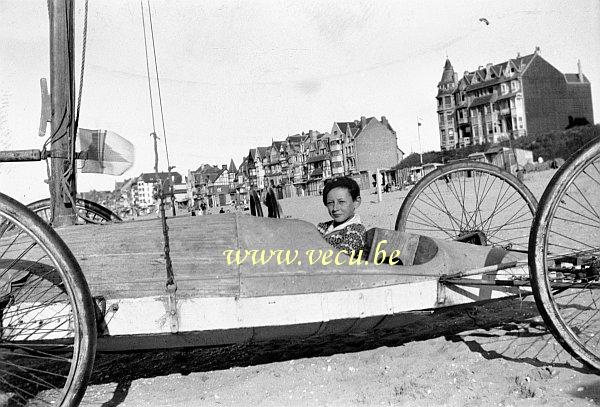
(47, 323)
(565, 256)
(471, 202)
(87, 211)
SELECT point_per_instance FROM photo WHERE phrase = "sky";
(235, 75)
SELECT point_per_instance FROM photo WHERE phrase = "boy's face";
(340, 205)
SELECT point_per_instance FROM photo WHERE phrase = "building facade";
(524, 95)
(147, 183)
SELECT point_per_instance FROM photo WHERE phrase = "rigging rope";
(162, 117)
(171, 286)
(148, 69)
(85, 25)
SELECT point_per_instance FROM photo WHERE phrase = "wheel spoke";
(47, 321)
(460, 199)
(567, 232)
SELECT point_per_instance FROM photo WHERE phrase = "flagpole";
(419, 135)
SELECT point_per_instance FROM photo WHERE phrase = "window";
(447, 101)
(514, 85)
(486, 109)
(519, 103)
(451, 134)
(520, 122)
(489, 127)
(503, 88)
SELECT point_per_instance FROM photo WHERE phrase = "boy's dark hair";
(341, 182)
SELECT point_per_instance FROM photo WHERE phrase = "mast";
(62, 91)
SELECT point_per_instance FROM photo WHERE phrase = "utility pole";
(63, 189)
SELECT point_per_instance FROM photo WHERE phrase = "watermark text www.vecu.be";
(324, 257)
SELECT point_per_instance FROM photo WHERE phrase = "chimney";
(312, 134)
(488, 65)
(537, 50)
(518, 55)
(455, 78)
(223, 167)
(384, 120)
(579, 73)
(363, 122)
(356, 123)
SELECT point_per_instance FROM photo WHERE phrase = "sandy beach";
(493, 354)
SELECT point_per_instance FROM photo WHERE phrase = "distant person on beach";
(270, 199)
(341, 196)
(255, 207)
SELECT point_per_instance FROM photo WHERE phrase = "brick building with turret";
(524, 95)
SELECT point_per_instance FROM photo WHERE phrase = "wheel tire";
(558, 229)
(47, 319)
(447, 185)
(88, 211)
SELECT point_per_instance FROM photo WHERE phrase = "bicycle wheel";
(565, 256)
(472, 202)
(87, 211)
(47, 322)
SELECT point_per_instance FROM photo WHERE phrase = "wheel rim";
(566, 261)
(471, 202)
(47, 331)
(87, 211)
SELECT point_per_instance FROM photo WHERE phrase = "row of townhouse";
(300, 164)
(213, 184)
(138, 194)
(524, 95)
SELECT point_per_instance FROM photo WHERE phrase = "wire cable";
(162, 117)
(148, 68)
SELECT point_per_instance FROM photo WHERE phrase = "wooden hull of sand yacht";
(219, 302)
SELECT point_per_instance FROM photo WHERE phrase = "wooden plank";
(126, 260)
